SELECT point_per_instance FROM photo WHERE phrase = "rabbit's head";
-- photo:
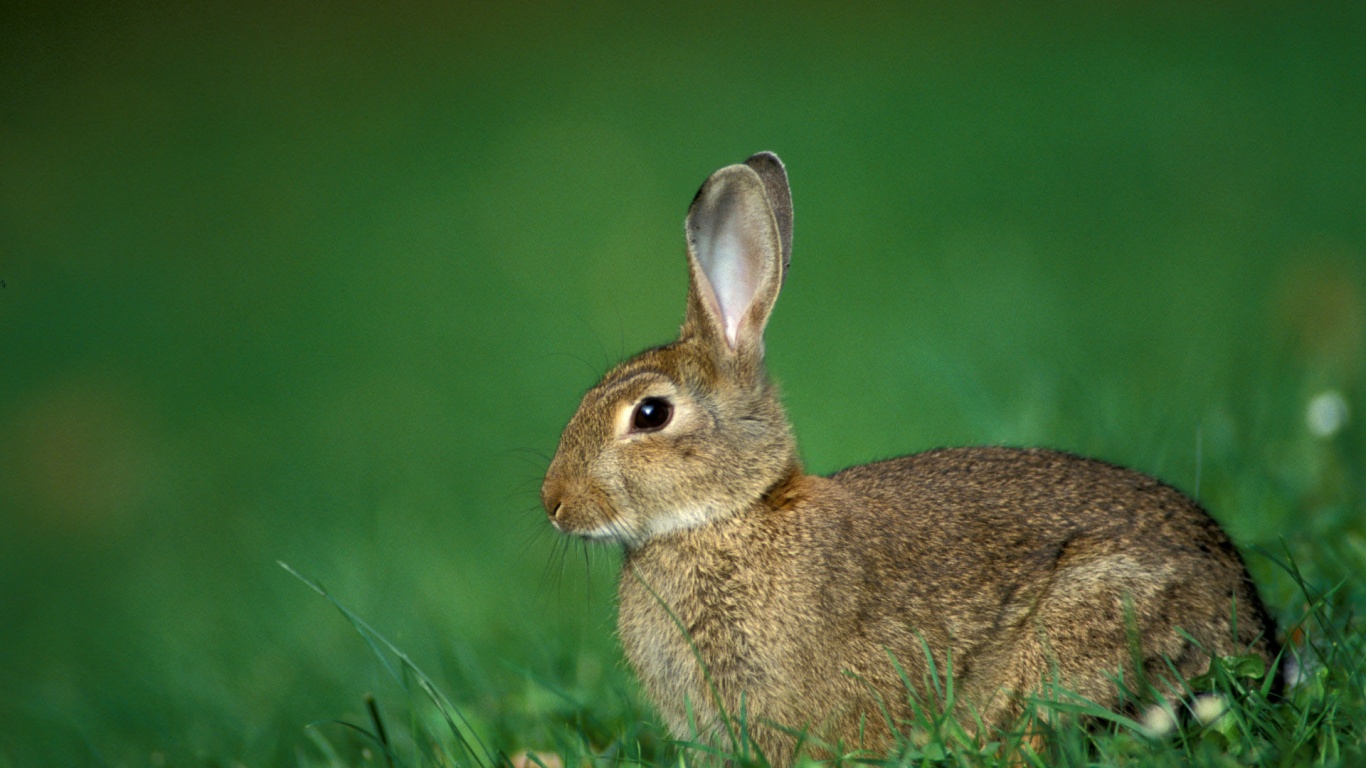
(691, 431)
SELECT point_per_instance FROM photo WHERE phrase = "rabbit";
(808, 603)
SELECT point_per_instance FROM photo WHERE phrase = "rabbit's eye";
(651, 415)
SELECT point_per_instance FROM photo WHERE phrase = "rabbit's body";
(807, 603)
(1036, 555)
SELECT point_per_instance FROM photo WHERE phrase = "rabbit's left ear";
(774, 176)
(735, 256)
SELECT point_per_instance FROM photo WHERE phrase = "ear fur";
(736, 254)
(774, 176)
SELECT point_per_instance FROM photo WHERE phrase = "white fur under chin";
(681, 519)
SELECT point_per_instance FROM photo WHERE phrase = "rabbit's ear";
(774, 176)
(735, 255)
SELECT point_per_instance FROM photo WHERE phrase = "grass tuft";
(1233, 715)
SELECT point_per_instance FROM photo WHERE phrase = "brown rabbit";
(750, 586)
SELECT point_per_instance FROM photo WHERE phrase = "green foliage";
(321, 284)
(1233, 715)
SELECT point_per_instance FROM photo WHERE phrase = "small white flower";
(1327, 413)
(1209, 707)
(1296, 671)
(1158, 721)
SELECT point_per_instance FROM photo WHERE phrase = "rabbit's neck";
(677, 609)
(710, 611)
(697, 515)
(684, 518)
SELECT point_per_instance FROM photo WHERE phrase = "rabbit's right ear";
(735, 259)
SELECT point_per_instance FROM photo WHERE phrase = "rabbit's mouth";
(591, 519)
(610, 528)
(608, 531)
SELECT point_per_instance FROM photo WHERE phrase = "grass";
(1228, 716)
(320, 283)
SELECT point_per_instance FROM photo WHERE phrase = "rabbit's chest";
(690, 610)
(691, 629)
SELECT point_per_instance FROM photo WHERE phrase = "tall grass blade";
(378, 643)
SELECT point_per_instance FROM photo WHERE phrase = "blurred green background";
(321, 283)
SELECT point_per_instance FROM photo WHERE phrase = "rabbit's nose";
(552, 497)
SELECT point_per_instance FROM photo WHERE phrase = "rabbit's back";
(988, 549)
(1033, 510)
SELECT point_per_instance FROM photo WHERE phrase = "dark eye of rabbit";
(651, 414)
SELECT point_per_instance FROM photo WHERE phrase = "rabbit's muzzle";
(579, 511)
(552, 498)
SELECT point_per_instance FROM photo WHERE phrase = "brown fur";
(795, 592)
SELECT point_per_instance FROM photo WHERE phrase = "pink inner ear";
(734, 245)
(733, 279)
